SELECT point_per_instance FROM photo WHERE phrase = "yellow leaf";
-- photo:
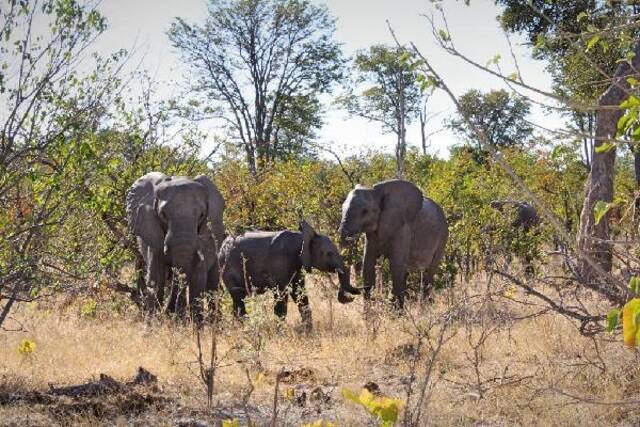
(630, 313)
(510, 292)
(288, 394)
(231, 423)
(320, 423)
(27, 347)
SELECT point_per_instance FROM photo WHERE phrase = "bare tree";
(260, 66)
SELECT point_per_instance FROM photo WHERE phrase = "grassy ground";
(498, 361)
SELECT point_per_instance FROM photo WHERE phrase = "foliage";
(386, 409)
(500, 115)
(385, 90)
(260, 65)
(48, 113)
(560, 32)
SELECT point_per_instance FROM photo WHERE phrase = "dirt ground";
(483, 353)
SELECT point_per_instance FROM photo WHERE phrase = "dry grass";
(527, 368)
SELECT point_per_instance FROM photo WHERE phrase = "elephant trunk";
(345, 287)
(182, 256)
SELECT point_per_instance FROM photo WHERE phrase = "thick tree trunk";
(593, 238)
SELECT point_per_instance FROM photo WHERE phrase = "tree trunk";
(593, 238)
(401, 146)
(423, 130)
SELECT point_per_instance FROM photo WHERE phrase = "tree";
(500, 114)
(260, 65)
(593, 236)
(559, 33)
(48, 110)
(388, 93)
(589, 45)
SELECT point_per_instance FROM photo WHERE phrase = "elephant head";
(382, 209)
(176, 215)
(319, 252)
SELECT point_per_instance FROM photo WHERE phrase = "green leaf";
(631, 102)
(592, 28)
(613, 318)
(444, 35)
(592, 42)
(582, 15)
(540, 41)
(634, 284)
(404, 58)
(494, 60)
(632, 81)
(605, 147)
(600, 209)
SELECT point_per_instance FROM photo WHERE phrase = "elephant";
(400, 224)
(177, 222)
(526, 216)
(274, 260)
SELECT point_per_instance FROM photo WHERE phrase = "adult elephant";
(262, 260)
(178, 223)
(399, 224)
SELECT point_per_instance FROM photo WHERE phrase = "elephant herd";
(178, 222)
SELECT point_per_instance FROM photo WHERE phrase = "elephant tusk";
(340, 271)
(200, 255)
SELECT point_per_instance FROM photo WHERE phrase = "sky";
(141, 26)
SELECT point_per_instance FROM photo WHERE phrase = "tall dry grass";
(502, 362)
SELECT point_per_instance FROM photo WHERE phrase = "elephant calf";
(262, 260)
(400, 224)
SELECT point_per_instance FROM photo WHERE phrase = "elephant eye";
(365, 211)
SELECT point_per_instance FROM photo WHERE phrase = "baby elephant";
(274, 260)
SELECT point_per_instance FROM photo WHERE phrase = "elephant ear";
(308, 233)
(215, 208)
(400, 202)
(141, 213)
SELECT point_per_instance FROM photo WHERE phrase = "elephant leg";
(300, 297)
(282, 298)
(426, 285)
(213, 283)
(155, 281)
(236, 287)
(371, 255)
(177, 300)
(398, 259)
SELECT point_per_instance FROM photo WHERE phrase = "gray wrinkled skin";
(178, 223)
(525, 215)
(262, 260)
(400, 225)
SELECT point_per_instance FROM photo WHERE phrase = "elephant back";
(430, 234)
